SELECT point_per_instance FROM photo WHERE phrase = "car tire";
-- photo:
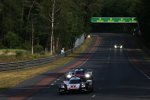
(60, 92)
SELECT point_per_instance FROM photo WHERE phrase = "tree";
(143, 17)
(11, 40)
(56, 24)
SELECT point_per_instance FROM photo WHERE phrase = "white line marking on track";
(108, 59)
(138, 68)
(55, 81)
(52, 84)
(142, 72)
(58, 79)
(84, 62)
(93, 95)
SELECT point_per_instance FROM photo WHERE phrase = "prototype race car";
(84, 74)
(75, 84)
(118, 46)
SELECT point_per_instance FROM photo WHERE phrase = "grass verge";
(10, 79)
(14, 56)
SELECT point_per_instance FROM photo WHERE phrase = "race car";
(84, 74)
(118, 46)
(75, 84)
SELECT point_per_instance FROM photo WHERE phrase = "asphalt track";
(119, 74)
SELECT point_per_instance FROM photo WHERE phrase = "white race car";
(75, 84)
(84, 74)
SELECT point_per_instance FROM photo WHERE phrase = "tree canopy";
(28, 23)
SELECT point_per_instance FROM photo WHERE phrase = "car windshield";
(74, 81)
(79, 72)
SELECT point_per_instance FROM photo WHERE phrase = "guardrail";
(37, 62)
(32, 63)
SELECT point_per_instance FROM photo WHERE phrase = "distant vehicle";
(118, 46)
(75, 84)
(84, 74)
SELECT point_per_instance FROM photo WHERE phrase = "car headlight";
(121, 47)
(69, 76)
(87, 75)
(115, 46)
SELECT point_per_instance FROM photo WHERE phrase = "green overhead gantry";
(114, 20)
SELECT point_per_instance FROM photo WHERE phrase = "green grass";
(13, 78)
(18, 55)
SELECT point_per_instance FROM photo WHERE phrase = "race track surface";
(118, 73)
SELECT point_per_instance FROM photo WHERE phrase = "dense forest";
(52, 24)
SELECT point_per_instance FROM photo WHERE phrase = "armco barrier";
(36, 62)
(31, 63)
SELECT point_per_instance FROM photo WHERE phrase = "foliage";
(24, 21)
(38, 48)
(27, 20)
(19, 53)
(143, 16)
(11, 40)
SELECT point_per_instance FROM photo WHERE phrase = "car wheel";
(60, 92)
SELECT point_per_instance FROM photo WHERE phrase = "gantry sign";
(114, 20)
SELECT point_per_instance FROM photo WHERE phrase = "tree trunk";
(32, 40)
(29, 13)
(52, 27)
(22, 15)
(57, 43)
